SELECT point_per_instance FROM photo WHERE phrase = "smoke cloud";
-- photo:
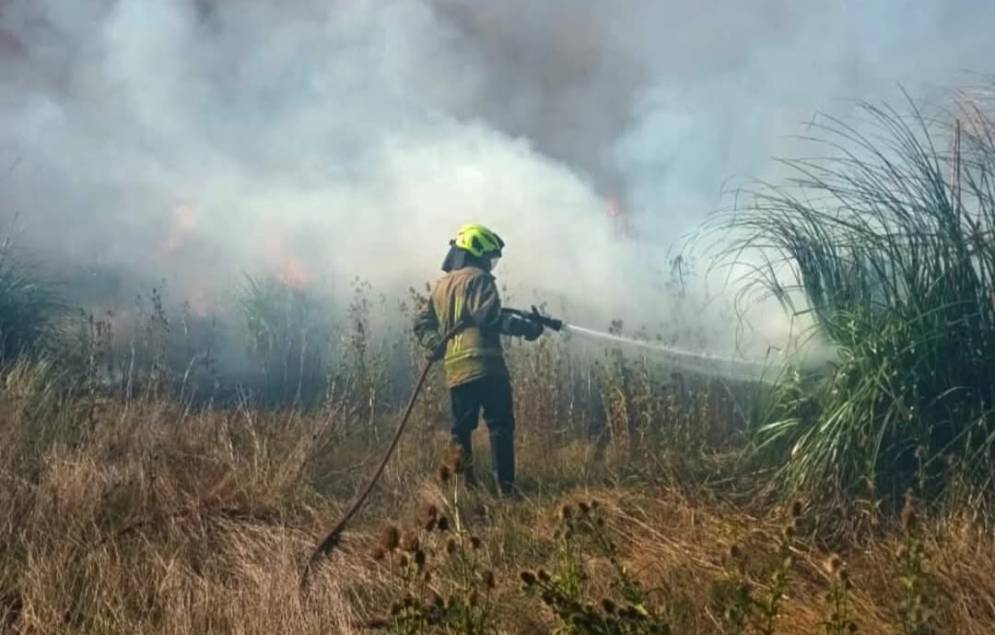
(194, 140)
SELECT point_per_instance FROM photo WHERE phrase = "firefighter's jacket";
(469, 294)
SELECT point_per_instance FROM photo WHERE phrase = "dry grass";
(140, 517)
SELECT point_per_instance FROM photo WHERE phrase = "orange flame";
(294, 274)
(287, 266)
(182, 229)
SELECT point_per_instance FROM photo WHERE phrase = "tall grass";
(27, 306)
(889, 239)
(133, 512)
(146, 518)
(287, 332)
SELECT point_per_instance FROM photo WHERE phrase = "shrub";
(889, 242)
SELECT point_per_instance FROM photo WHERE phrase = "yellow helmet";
(478, 240)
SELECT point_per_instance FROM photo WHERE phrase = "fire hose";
(334, 536)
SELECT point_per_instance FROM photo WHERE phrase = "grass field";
(138, 517)
(144, 496)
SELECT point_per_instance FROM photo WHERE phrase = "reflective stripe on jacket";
(476, 351)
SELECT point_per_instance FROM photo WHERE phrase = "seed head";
(409, 541)
(528, 578)
(608, 606)
(429, 514)
(390, 538)
(378, 553)
(403, 561)
(796, 509)
(543, 575)
(456, 459)
(833, 565)
(419, 559)
(488, 579)
(442, 473)
(584, 508)
(437, 600)
(566, 513)
(442, 524)
(475, 543)
(735, 552)
(451, 546)
(910, 517)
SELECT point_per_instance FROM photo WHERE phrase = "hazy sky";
(194, 139)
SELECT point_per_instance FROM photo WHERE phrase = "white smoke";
(323, 140)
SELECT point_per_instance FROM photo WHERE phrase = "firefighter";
(476, 373)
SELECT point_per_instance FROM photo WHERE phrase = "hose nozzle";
(547, 321)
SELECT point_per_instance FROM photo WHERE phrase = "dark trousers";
(492, 395)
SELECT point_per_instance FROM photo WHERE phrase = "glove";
(515, 324)
(532, 331)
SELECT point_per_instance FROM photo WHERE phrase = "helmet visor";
(494, 260)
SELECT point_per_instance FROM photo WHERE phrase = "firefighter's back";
(476, 351)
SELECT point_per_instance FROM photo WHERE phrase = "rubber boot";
(464, 443)
(503, 458)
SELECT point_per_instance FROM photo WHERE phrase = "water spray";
(695, 361)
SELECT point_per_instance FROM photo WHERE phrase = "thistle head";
(910, 516)
(409, 541)
(833, 565)
(456, 459)
(566, 513)
(442, 473)
(390, 538)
